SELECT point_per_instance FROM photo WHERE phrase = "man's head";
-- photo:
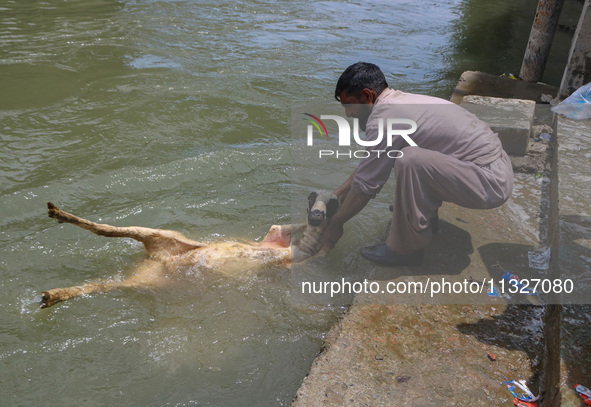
(358, 88)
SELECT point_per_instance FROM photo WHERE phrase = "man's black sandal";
(381, 254)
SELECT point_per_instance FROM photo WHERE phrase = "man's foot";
(434, 222)
(381, 254)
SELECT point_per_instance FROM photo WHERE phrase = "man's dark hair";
(360, 76)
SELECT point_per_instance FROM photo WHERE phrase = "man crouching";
(457, 158)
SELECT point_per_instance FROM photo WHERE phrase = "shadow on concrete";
(518, 328)
(449, 254)
(575, 327)
(502, 257)
(576, 347)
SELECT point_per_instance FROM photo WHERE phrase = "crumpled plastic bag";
(578, 105)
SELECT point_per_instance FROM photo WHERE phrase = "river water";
(176, 114)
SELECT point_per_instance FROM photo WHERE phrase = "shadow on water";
(491, 36)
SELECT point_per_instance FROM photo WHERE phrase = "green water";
(175, 114)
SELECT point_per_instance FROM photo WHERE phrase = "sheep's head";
(321, 206)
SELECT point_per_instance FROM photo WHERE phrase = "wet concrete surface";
(574, 176)
(403, 355)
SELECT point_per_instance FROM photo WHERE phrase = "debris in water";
(547, 137)
(515, 386)
(584, 392)
(550, 99)
(493, 292)
(539, 259)
(515, 281)
(520, 403)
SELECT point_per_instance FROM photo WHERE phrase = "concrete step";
(511, 119)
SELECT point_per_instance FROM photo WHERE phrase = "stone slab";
(512, 119)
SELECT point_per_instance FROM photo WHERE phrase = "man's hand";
(332, 233)
(356, 200)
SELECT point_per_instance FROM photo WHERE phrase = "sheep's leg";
(310, 245)
(154, 240)
(55, 295)
(149, 274)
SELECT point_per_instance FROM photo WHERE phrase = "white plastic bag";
(576, 106)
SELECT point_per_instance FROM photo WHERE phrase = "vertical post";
(552, 345)
(540, 40)
(552, 319)
(578, 68)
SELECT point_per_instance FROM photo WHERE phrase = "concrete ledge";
(418, 356)
(574, 178)
(574, 259)
(510, 118)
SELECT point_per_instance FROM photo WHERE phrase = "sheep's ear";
(312, 200)
(332, 206)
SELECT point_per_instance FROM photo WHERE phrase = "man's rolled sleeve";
(373, 171)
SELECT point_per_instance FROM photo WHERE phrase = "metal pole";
(540, 40)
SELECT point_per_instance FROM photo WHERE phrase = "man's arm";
(342, 191)
(355, 202)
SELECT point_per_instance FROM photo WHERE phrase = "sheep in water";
(167, 250)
